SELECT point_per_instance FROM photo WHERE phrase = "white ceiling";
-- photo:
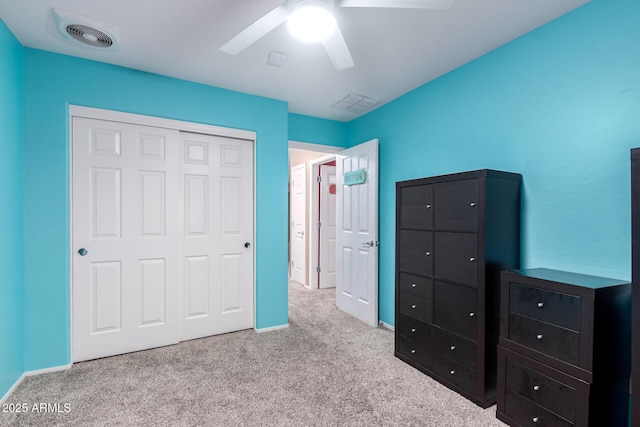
(394, 50)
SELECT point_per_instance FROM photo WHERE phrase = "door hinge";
(318, 269)
(319, 224)
(318, 179)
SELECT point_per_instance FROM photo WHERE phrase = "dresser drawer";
(454, 347)
(413, 329)
(416, 353)
(526, 413)
(548, 306)
(455, 309)
(557, 342)
(456, 257)
(456, 205)
(551, 394)
(416, 252)
(416, 207)
(416, 307)
(455, 373)
(415, 285)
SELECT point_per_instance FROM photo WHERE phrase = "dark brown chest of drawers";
(454, 234)
(565, 349)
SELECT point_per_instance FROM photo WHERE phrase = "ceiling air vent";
(85, 30)
(357, 104)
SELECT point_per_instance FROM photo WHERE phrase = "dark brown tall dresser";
(635, 284)
(454, 234)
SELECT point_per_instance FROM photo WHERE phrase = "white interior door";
(298, 223)
(357, 234)
(125, 266)
(217, 235)
(327, 226)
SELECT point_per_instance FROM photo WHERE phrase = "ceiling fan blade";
(401, 4)
(338, 51)
(258, 29)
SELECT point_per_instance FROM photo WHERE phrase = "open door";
(357, 232)
(298, 224)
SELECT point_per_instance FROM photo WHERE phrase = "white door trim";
(110, 115)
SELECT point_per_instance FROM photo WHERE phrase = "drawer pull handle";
(472, 204)
(428, 253)
(413, 285)
(539, 336)
(453, 347)
(413, 330)
(540, 304)
(428, 206)
(452, 372)
(472, 259)
(413, 351)
(413, 306)
(472, 314)
(536, 387)
(535, 419)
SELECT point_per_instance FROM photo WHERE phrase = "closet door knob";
(428, 206)
(82, 251)
(539, 336)
(413, 330)
(413, 306)
(472, 314)
(453, 347)
(472, 259)
(536, 387)
(413, 351)
(452, 372)
(247, 244)
(428, 253)
(535, 419)
(472, 204)
(540, 304)
(413, 285)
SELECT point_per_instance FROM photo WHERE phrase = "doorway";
(309, 250)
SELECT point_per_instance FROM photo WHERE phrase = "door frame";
(314, 205)
(144, 120)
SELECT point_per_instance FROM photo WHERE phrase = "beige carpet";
(326, 369)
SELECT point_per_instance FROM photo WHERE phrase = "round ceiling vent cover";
(86, 30)
(89, 35)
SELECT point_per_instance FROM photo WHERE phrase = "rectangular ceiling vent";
(355, 103)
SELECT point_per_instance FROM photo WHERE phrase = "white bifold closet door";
(160, 222)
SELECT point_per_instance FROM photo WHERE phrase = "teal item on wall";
(11, 242)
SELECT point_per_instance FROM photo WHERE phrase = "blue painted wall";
(561, 105)
(52, 82)
(11, 240)
(317, 131)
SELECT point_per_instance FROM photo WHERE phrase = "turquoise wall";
(317, 131)
(561, 105)
(11, 162)
(52, 83)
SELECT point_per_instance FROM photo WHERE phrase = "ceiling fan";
(313, 21)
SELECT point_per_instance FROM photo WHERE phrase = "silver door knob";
(472, 259)
(540, 304)
(472, 314)
(472, 204)
(536, 387)
(535, 419)
(539, 336)
(82, 251)
(453, 347)
(428, 206)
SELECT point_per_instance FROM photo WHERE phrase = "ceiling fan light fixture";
(311, 21)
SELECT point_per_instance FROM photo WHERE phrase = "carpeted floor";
(326, 369)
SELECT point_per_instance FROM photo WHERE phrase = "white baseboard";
(272, 328)
(386, 325)
(30, 374)
(13, 388)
